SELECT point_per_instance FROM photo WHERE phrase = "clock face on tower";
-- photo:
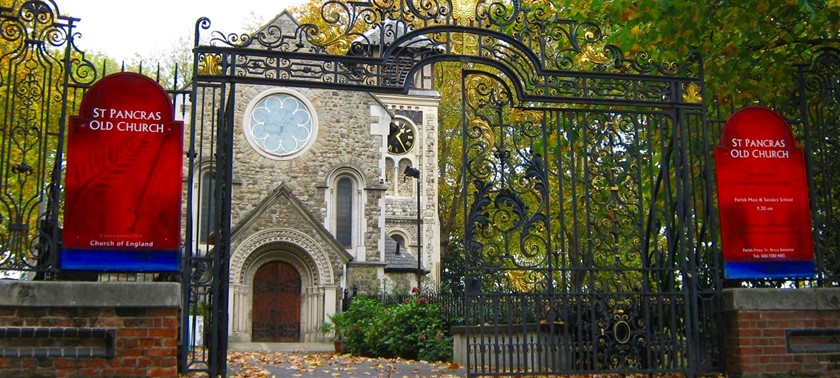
(401, 137)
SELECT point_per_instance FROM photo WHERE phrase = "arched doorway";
(276, 306)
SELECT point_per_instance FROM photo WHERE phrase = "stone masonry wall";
(344, 140)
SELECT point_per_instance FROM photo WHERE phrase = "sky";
(123, 28)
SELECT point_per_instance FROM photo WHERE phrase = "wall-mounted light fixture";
(415, 173)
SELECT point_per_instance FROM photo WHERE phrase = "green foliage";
(748, 47)
(450, 186)
(411, 330)
(359, 327)
(454, 267)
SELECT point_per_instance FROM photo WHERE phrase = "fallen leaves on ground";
(286, 364)
(327, 365)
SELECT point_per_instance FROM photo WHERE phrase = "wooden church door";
(276, 305)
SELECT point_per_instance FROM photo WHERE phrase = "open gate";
(590, 240)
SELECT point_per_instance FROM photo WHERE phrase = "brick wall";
(783, 333)
(126, 333)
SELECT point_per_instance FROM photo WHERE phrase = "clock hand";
(397, 137)
(402, 142)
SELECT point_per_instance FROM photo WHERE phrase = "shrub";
(410, 330)
(359, 327)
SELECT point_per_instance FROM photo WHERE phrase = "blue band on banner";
(120, 260)
(769, 269)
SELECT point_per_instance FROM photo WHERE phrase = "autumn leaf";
(730, 49)
(629, 14)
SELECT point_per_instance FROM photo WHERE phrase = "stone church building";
(321, 203)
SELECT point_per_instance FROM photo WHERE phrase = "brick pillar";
(782, 332)
(94, 329)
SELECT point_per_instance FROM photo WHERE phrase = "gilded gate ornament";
(691, 94)
(464, 11)
(590, 55)
(210, 64)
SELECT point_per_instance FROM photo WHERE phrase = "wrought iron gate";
(206, 272)
(590, 228)
(36, 87)
(589, 233)
(816, 107)
(590, 243)
(43, 78)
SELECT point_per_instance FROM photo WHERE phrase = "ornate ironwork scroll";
(40, 64)
(376, 45)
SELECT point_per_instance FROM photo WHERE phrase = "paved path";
(316, 360)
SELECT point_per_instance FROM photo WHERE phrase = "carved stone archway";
(318, 281)
(320, 262)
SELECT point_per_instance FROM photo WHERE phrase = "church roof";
(283, 197)
(398, 259)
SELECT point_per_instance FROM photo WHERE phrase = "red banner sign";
(124, 178)
(763, 198)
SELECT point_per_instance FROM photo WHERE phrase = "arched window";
(344, 212)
